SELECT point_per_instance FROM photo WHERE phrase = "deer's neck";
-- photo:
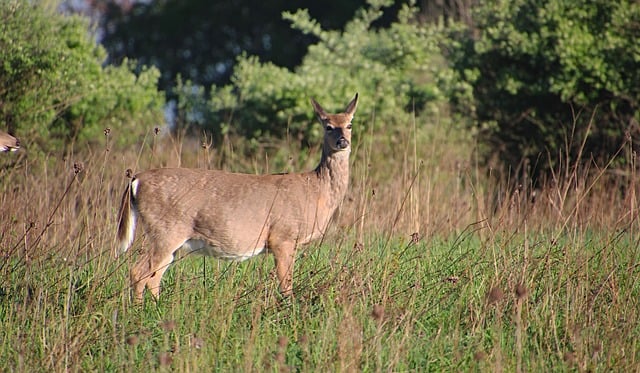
(333, 175)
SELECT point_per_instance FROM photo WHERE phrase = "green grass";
(398, 305)
(550, 286)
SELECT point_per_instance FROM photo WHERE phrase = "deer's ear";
(351, 108)
(320, 113)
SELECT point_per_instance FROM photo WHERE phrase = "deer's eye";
(349, 126)
(329, 128)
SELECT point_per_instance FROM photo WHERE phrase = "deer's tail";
(127, 217)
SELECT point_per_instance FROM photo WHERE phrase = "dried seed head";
(129, 173)
(569, 357)
(303, 340)
(495, 295)
(132, 340)
(521, 291)
(378, 312)
(197, 342)
(107, 131)
(452, 279)
(597, 348)
(282, 341)
(165, 359)
(168, 325)
(415, 238)
(156, 131)
(77, 167)
(479, 355)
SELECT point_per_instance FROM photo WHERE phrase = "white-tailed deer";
(8, 142)
(236, 216)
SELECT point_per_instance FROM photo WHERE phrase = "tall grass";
(421, 269)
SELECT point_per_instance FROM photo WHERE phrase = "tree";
(552, 75)
(201, 39)
(400, 71)
(54, 88)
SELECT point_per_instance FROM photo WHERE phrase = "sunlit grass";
(443, 305)
(418, 272)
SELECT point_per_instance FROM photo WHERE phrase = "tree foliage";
(54, 88)
(200, 39)
(399, 71)
(550, 75)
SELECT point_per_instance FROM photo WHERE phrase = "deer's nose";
(342, 143)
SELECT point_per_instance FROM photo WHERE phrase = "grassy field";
(420, 271)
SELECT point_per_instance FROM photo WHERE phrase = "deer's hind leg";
(150, 267)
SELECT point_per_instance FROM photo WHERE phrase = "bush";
(550, 75)
(53, 87)
(396, 70)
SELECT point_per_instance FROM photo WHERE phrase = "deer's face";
(337, 127)
(337, 132)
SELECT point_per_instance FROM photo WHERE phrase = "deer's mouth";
(342, 143)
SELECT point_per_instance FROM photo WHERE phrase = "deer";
(8, 143)
(235, 216)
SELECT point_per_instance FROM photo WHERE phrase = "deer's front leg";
(284, 254)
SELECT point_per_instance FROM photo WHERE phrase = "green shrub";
(549, 75)
(398, 71)
(54, 88)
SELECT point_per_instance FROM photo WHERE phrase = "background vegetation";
(400, 69)
(428, 265)
(554, 79)
(54, 88)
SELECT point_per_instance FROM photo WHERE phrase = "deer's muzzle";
(342, 143)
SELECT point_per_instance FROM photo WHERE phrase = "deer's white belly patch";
(202, 247)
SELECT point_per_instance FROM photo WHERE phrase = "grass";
(544, 286)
